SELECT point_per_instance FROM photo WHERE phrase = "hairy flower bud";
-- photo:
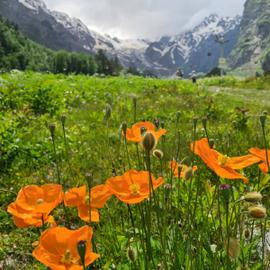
(52, 128)
(257, 211)
(131, 254)
(253, 197)
(188, 173)
(149, 141)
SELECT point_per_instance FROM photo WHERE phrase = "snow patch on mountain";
(33, 4)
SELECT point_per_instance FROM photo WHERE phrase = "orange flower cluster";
(223, 165)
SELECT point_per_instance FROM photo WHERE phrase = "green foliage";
(95, 108)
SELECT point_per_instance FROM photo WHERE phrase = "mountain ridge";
(57, 30)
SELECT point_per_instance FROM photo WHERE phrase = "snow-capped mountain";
(195, 49)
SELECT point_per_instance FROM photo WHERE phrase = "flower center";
(67, 258)
(40, 201)
(134, 189)
(222, 160)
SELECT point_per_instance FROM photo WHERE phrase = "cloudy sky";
(144, 18)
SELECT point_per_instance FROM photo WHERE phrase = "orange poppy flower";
(222, 165)
(79, 198)
(133, 186)
(260, 153)
(173, 165)
(57, 248)
(135, 133)
(34, 203)
(23, 218)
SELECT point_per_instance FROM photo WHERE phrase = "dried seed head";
(158, 153)
(253, 197)
(257, 211)
(188, 174)
(131, 254)
(149, 141)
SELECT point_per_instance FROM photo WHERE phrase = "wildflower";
(261, 154)
(222, 165)
(136, 132)
(133, 186)
(257, 211)
(79, 197)
(131, 254)
(213, 248)
(57, 248)
(186, 172)
(34, 204)
(253, 197)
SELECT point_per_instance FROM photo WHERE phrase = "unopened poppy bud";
(257, 211)
(63, 119)
(204, 122)
(149, 141)
(168, 186)
(132, 254)
(211, 143)
(158, 153)
(81, 248)
(160, 266)
(52, 129)
(195, 121)
(265, 113)
(263, 120)
(188, 173)
(124, 128)
(89, 178)
(253, 197)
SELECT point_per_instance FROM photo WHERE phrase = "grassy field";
(190, 223)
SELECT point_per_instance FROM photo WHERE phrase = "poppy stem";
(266, 147)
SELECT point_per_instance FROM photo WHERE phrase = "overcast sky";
(144, 18)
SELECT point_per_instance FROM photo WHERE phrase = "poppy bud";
(149, 141)
(178, 115)
(263, 119)
(158, 153)
(265, 113)
(162, 124)
(81, 248)
(253, 197)
(52, 129)
(89, 178)
(124, 128)
(195, 121)
(204, 122)
(257, 211)
(63, 119)
(131, 254)
(160, 266)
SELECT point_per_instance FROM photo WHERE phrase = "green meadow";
(188, 222)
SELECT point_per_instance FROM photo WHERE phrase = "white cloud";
(144, 18)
